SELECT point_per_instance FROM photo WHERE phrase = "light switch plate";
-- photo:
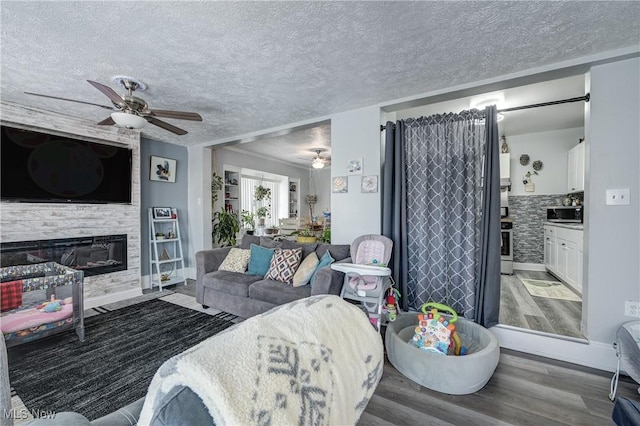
(618, 197)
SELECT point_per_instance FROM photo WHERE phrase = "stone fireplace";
(94, 255)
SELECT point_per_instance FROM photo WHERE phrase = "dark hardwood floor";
(520, 309)
(524, 390)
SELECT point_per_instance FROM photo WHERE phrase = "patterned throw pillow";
(306, 270)
(236, 261)
(284, 265)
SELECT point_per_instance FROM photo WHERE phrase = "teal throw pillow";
(259, 260)
(325, 260)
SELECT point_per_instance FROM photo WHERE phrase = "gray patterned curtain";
(434, 196)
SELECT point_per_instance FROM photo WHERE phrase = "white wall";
(322, 182)
(549, 147)
(612, 251)
(355, 134)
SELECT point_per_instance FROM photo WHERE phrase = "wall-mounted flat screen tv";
(39, 167)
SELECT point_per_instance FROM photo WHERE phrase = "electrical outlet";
(632, 309)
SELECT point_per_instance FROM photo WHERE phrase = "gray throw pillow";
(337, 251)
(269, 242)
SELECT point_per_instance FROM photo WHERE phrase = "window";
(248, 202)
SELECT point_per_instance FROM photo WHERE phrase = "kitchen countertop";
(578, 226)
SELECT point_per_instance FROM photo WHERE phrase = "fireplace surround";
(94, 255)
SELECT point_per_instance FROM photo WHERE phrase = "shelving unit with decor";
(294, 198)
(166, 262)
(232, 191)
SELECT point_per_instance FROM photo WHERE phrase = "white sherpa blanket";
(313, 361)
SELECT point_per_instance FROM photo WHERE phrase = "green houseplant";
(225, 228)
(262, 193)
(262, 213)
(248, 221)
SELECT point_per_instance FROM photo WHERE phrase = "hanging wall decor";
(524, 159)
(369, 184)
(162, 169)
(354, 167)
(340, 184)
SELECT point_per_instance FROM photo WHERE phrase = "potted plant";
(305, 236)
(262, 193)
(225, 228)
(159, 236)
(262, 213)
(248, 221)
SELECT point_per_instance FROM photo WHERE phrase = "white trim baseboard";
(529, 266)
(111, 298)
(577, 351)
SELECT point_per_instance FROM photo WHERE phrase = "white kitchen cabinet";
(563, 254)
(575, 167)
(550, 255)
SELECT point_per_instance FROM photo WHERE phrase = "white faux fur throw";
(315, 361)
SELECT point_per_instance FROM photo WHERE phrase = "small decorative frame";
(162, 169)
(355, 167)
(162, 212)
(369, 184)
(340, 184)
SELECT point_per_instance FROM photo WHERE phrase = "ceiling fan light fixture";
(317, 163)
(128, 120)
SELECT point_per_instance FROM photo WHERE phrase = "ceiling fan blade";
(71, 100)
(166, 126)
(111, 94)
(107, 122)
(180, 115)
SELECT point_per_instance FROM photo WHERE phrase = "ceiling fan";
(319, 162)
(130, 111)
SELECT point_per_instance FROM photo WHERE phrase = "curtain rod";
(585, 98)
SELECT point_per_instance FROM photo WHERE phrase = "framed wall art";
(340, 184)
(162, 169)
(369, 184)
(355, 167)
(162, 212)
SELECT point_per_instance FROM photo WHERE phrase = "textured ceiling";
(250, 66)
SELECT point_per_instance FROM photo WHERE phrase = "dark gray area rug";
(114, 366)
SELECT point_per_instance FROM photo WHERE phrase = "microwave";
(567, 214)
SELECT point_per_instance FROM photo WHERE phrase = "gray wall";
(163, 194)
(612, 249)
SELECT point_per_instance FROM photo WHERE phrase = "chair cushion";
(260, 260)
(284, 265)
(306, 270)
(325, 261)
(236, 261)
(277, 292)
(233, 283)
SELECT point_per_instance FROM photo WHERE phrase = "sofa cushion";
(277, 292)
(247, 240)
(178, 404)
(325, 261)
(233, 283)
(306, 248)
(306, 270)
(260, 260)
(269, 242)
(236, 261)
(338, 251)
(284, 264)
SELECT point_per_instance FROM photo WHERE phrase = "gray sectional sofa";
(248, 295)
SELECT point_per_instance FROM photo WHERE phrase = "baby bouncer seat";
(367, 279)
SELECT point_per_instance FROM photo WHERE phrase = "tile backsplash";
(529, 213)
